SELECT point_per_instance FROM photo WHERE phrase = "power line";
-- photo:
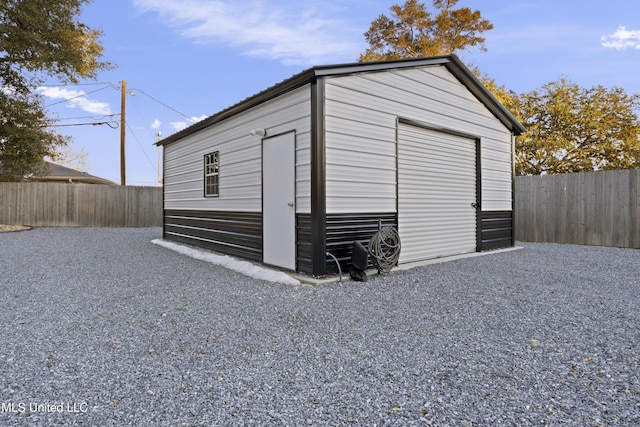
(163, 104)
(77, 84)
(115, 86)
(84, 117)
(78, 96)
(142, 149)
(111, 124)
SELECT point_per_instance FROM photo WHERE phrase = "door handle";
(474, 205)
(290, 204)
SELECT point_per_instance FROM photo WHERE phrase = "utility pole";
(123, 179)
(158, 137)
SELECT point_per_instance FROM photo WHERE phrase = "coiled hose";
(384, 248)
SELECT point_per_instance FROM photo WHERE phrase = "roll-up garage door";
(436, 193)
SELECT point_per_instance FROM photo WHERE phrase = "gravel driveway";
(100, 327)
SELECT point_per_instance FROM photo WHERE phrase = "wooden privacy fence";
(43, 204)
(592, 208)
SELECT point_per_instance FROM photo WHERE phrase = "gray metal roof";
(451, 62)
(53, 172)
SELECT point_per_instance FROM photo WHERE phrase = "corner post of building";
(513, 188)
(318, 181)
(479, 225)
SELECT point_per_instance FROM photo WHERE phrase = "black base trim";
(240, 233)
(230, 232)
(344, 229)
(304, 248)
(496, 230)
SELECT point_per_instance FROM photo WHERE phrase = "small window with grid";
(211, 174)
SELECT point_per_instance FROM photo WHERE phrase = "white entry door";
(278, 201)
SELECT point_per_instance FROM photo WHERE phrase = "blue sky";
(187, 59)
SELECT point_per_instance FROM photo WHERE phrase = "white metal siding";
(360, 154)
(240, 157)
(436, 189)
(361, 112)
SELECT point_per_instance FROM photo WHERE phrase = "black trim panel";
(240, 233)
(304, 247)
(344, 229)
(318, 180)
(230, 232)
(478, 195)
(496, 230)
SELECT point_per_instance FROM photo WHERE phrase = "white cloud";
(178, 126)
(622, 39)
(76, 99)
(296, 36)
(156, 124)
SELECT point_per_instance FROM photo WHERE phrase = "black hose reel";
(384, 248)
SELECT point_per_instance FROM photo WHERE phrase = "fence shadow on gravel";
(41, 204)
(591, 208)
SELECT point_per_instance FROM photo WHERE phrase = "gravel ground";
(114, 331)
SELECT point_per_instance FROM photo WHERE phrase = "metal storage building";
(313, 163)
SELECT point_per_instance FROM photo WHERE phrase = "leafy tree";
(39, 36)
(505, 96)
(25, 138)
(38, 39)
(413, 32)
(77, 159)
(574, 129)
(569, 128)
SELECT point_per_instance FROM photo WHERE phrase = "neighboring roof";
(451, 62)
(52, 172)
